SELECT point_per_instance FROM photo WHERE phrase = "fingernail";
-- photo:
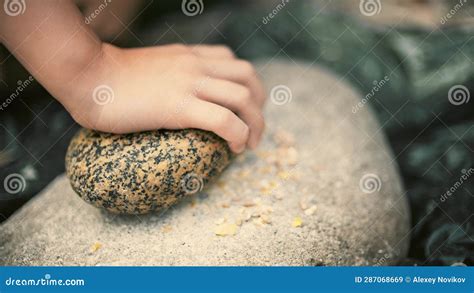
(253, 145)
(237, 149)
(241, 148)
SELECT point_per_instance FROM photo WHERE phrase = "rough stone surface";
(142, 172)
(300, 199)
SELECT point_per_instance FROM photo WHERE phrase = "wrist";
(77, 96)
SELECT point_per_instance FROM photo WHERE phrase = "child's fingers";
(239, 71)
(237, 98)
(216, 51)
(223, 122)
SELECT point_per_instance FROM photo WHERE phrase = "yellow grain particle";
(262, 154)
(267, 188)
(265, 219)
(167, 229)
(297, 222)
(265, 191)
(303, 204)
(310, 211)
(246, 216)
(265, 170)
(96, 246)
(221, 184)
(285, 175)
(249, 203)
(273, 184)
(239, 222)
(226, 229)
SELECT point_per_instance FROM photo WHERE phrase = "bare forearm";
(56, 27)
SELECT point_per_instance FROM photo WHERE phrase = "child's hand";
(124, 90)
(173, 86)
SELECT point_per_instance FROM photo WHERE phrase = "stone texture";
(142, 172)
(300, 199)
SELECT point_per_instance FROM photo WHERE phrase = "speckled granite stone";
(297, 200)
(143, 172)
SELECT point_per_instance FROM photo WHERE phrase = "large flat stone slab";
(323, 189)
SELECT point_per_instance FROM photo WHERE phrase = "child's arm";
(125, 90)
